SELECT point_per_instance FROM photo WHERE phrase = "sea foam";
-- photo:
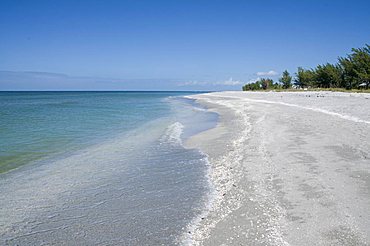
(173, 134)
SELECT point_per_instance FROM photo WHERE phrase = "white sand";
(288, 169)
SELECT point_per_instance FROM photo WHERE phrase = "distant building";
(362, 86)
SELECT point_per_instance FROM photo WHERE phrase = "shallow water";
(124, 178)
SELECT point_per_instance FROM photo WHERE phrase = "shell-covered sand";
(288, 168)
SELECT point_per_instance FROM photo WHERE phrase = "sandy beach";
(287, 169)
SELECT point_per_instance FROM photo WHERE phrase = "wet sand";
(287, 169)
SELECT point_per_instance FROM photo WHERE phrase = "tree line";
(350, 72)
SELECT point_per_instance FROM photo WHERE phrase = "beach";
(287, 168)
(161, 168)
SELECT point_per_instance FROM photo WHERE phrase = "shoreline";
(140, 187)
(204, 142)
(212, 143)
(268, 174)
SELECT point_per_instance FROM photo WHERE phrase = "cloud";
(192, 83)
(230, 82)
(269, 73)
(253, 80)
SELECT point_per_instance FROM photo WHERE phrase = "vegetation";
(303, 78)
(262, 84)
(351, 73)
(286, 80)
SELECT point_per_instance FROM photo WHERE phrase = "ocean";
(100, 168)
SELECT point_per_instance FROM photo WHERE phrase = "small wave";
(200, 109)
(173, 134)
(187, 238)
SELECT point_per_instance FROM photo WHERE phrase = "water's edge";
(80, 187)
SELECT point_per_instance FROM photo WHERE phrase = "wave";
(199, 109)
(173, 134)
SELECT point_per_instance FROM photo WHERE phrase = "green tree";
(252, 86)
(304, 78)
(348, 74)
(276, 86)
(361, 62)
(286, 80)
(266, 83)
(327, 76)
(262, 84)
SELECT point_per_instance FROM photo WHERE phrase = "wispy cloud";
(229, 82)
(269, 73)
(253, 80)
(193, 83)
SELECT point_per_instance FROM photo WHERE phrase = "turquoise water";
(100, 167)
(36, 125)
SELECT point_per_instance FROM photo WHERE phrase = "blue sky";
(170, 45)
